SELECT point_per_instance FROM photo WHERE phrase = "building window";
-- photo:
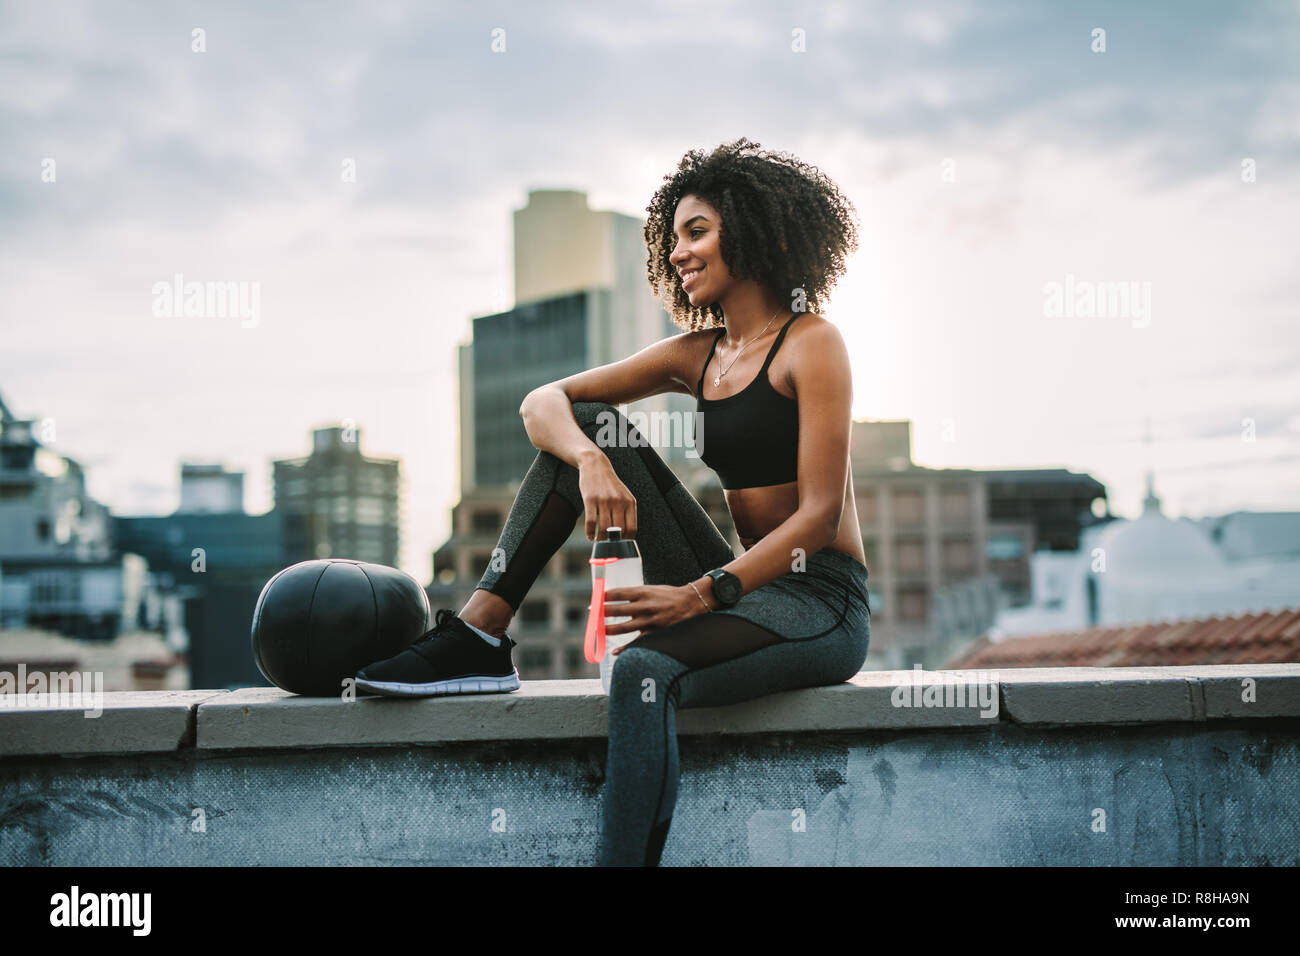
(55, 588)
(958, 554)
(1005, 547)
(370, 511)
(575, 614)
(43, 529)
(535, 613)
(485, 521)
(575, 660)
(576, 565)
(535, 658)
(911, 604)
(911, 556)
(955, 506)
(908, 507)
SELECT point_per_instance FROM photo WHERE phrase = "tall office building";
(581, 301)
(210, 489)
(337, 503)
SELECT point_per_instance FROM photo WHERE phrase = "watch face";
(727, 587)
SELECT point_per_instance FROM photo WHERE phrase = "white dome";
(1155, 546)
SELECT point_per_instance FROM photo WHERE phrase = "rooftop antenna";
(1150, 503)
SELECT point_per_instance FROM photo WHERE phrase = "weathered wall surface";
(1182, 793)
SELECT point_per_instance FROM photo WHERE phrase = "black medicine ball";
(317, 623)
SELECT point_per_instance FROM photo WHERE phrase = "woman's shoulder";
(695, 344)
(814, 331)
(809, 320)
(816, 327)
(816, 348)
(700, 335)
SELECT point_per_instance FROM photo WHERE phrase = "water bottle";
(615, 563)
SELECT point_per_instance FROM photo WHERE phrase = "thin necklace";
(717, 379)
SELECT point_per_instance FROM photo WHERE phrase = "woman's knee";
(642, 675)
(594, 414)
(623, 444)
(596, 419)
(608, 427)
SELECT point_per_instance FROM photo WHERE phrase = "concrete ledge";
(1124, 695)
(132, 722)
(1276, 690)
(269, 718)
(558, 709)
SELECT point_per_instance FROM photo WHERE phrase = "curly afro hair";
(784, 224)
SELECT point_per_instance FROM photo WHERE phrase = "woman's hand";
(651, 606)
(607, 500)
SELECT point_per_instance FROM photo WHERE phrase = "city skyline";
(1003, 158)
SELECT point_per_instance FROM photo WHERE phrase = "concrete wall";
(1198, 796)
(1137, 766)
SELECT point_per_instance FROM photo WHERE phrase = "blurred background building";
(336, 502)
(167, 601)
(1156, 568)
(69, 598)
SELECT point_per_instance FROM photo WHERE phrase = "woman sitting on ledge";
(743, 245)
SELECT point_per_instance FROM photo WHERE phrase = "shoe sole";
(443, 688)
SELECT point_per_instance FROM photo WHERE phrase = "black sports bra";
(751, 439)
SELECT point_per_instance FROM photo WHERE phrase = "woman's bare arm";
(548, 418)
(548, 415)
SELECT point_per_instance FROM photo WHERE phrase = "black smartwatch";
(726, 587)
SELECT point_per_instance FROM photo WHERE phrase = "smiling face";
(697, 255)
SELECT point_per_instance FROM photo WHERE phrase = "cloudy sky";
(991, 149)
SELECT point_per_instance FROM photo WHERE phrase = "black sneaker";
(450, 659)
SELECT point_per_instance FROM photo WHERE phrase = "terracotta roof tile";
(1266, 638)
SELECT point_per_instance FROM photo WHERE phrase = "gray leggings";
(808, 628)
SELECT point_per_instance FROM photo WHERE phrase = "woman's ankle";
(488, 612)
(486, 628)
